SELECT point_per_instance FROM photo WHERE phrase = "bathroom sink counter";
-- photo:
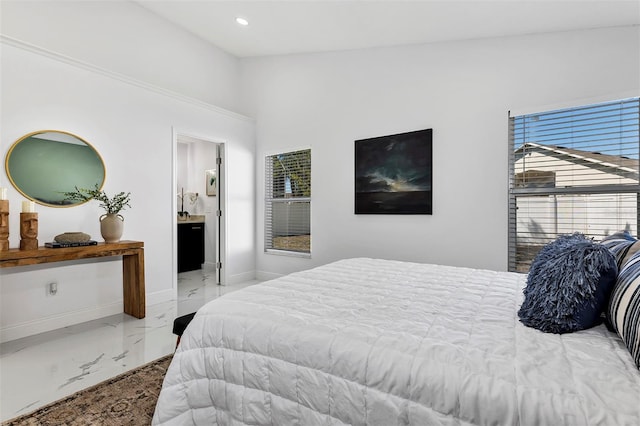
(194, 218)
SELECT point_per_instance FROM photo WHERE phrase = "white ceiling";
(279, 27)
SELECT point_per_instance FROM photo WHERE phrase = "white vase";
(111, 227)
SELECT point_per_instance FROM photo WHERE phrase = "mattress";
(379, 342)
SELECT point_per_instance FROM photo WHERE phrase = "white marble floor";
(40, 369)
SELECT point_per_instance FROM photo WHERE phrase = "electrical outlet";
(53, 288)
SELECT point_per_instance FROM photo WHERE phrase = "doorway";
(199, 205)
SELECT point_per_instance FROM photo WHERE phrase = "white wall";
(124, 37)
(131, 125)
(463, 91)
(182, 168)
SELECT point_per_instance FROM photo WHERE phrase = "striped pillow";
(622, 244)
(623, 311)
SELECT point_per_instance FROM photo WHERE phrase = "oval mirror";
(44, 164)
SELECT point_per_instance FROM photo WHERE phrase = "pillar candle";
(28, 207)
(3, 193)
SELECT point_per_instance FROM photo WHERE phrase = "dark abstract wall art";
(394, 174)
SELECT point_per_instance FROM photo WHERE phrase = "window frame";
(268, 210)
(594, 189)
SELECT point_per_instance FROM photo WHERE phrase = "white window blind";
(572, 170)
(288, 202)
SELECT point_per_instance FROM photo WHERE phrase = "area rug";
(127, 399)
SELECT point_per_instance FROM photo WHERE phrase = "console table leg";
(133, 286)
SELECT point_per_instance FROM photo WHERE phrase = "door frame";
(221, 198)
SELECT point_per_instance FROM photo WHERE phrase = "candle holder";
(4, 225)
(28, 231)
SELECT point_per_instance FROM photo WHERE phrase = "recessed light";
(242, 21)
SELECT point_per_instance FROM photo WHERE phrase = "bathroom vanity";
(190, 243)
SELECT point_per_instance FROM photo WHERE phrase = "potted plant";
(111, 223)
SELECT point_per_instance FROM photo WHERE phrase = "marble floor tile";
(37, 370)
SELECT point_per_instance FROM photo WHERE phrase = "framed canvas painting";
(393, 174)
(211, 182)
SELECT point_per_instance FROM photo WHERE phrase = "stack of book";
(55, 244)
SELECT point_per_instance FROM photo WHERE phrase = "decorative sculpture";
(28, 231)
(4, 225)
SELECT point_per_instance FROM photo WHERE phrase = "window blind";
(288, 202)
(572, 170)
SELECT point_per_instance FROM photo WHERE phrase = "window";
(288, 203)
(572, 170)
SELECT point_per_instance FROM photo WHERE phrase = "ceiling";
(286, 27)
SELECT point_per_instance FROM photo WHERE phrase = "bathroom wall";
(194, 158)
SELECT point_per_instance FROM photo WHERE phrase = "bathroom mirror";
(43, 165)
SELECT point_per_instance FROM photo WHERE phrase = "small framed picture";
(211, 182)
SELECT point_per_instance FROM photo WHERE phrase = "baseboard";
(209, 267)
(265, 276)
(66, 319)
(43, 325)
(240, 278)
(161, 297)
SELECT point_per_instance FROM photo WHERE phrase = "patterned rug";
(127, 399)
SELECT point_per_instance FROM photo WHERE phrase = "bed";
(380, 342)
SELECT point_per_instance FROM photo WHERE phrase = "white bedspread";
(375, 342)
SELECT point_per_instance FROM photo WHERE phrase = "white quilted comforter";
(375, 342)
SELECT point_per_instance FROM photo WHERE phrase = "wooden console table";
(132, 253)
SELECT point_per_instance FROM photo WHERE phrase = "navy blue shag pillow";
(568, 286)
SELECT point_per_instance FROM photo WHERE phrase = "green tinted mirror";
(44, 164)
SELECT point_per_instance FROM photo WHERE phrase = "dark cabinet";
(190, 246)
